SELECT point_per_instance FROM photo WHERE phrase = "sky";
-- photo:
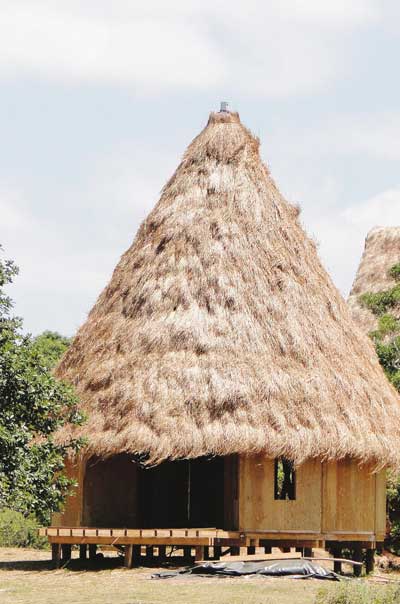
(99, 99)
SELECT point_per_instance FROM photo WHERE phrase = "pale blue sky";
(99, 99)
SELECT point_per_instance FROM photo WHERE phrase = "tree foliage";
(387, 335)
(33, 405)
(50, 345)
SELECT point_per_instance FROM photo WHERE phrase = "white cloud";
(271, 49)
(341, 232)
(67, 251)
(380, 210)
(66, 47)
(375, 135)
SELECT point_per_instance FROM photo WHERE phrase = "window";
(285, 479)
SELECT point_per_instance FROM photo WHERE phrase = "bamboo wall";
(331, 497)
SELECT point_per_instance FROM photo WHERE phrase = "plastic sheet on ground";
(296, 569)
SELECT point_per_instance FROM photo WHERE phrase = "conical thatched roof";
(381, 252)
(220, 331)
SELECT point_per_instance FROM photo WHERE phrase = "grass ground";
(26, 578)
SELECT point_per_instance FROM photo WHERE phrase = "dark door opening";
(184, 494)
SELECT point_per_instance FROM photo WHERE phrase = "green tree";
(50, 345)
(386, 338)
(33, 406)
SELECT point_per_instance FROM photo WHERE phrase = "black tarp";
(299, 569)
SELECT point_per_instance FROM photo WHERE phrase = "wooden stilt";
(370, 561)
(66, 552)
(357, 557)
(217, 552)
(251, 550)
(337, 565)
(149, 552)
(161, 552)
(137, 554)
(199, 553)
(267, 549)
(187, 553)
(92, 551)
(82, 552)
(128, 558)
(308, 553)
(56, 554)
(207, 555)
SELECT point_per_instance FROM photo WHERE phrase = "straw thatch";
(220, 332)
(381, 252)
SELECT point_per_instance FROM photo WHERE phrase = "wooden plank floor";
(200, 536)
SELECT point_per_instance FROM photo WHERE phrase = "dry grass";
(220, 332)
(381, 252)
(25, 578)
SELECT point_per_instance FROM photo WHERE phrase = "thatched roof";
(381, 252)
(220, 332)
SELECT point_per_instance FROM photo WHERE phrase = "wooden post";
(66, 552)
(337, 553)
(187, 553)
(149, 552)
(137, 554)
(357, 557)
(308, 553)
(56, 554)
(251, 550)
(128, 558)
(83, 552)
(370, 560)
(217, 552)
(267, 549)
(161, 552)
(199, 553)
(92, 551)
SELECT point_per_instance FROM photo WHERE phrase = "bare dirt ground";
(26, 578)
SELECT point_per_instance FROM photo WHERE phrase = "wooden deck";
(201, 536)
(207, 543)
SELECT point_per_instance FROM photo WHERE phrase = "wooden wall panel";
(349, 497)
(258, 509)
(72, 514)
(380, 507)
(110, 492)
(231, 492)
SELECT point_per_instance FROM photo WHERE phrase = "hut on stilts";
(231, 399)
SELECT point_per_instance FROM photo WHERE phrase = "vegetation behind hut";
(385, 305)
(34, 404)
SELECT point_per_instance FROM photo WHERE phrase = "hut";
(381, 253)
(231, 399)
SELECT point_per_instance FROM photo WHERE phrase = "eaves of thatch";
(381, 252)
(220, 332)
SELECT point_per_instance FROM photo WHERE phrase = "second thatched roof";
(220, 332)
(381, 253)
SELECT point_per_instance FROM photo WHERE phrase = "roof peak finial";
(224, 107)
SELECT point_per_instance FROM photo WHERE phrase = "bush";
(16, 530)
(359, 593)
